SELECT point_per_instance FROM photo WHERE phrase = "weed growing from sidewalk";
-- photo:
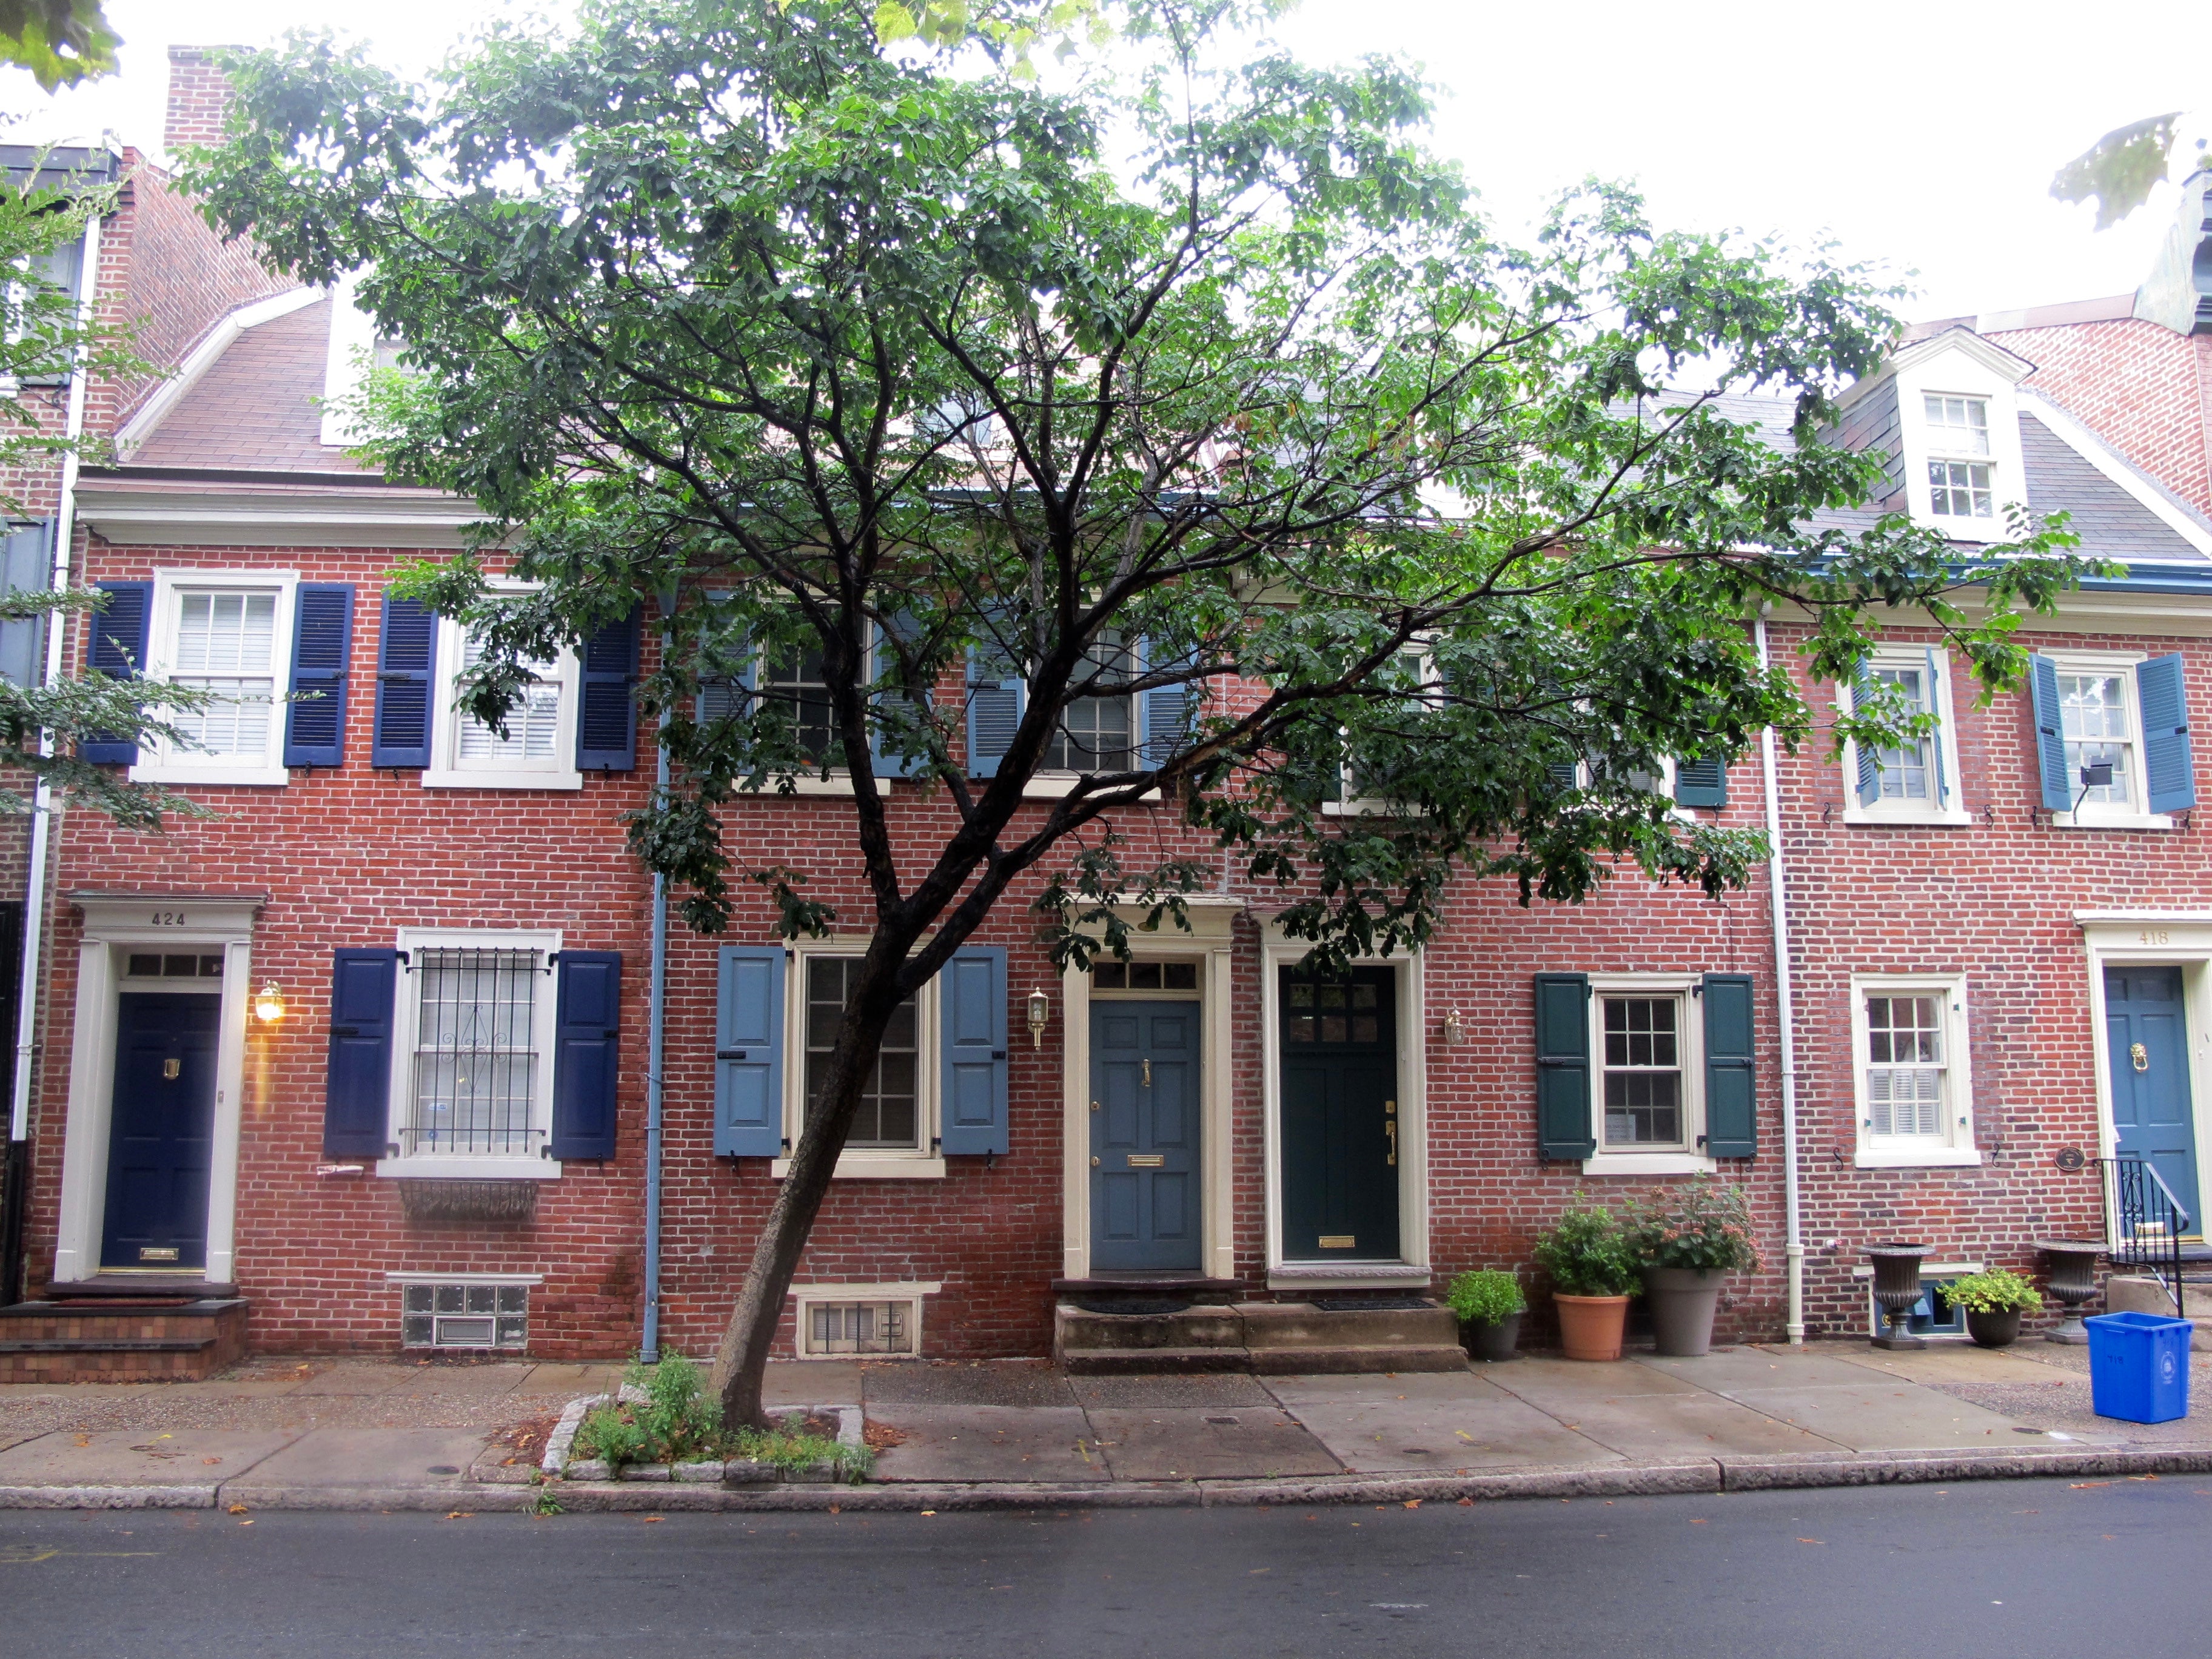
(679, 1422)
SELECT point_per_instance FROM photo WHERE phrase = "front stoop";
(113, 1341)
(1273, 1339)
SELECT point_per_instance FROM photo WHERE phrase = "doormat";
(1138, 1305)
(1378, 1302)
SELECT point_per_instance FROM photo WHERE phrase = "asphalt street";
(2012, 1568)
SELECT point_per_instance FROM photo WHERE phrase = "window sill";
(1650, 1163)
(1058, 786)
(2112, 820)
(1946, 819)
(170, 772)
(502, 781)
(471, 1169)
(1918, 1157)
(892, 1166)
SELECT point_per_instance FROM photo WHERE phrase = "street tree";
(1174, 370)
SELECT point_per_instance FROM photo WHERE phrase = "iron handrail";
(2129, 1242)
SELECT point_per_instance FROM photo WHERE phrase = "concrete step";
(1193, 1327)
(1303, 1325)
(1274, 1338)
(174, 1359)
(118, 1341)
(1143, 1362)
(1356, 1360)
(2141, 1293)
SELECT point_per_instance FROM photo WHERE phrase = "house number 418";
(2154, 936)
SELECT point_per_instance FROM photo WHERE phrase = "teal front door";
(2146, 1044)
(160, 1136)
(1144, 1137)
(1338, 1048)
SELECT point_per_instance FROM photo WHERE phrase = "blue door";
(2147, 1040)
(161, 1139)
(1144, 1137)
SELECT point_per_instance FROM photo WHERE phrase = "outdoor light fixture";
(1454, 1029)
(1040, 1017)
(269, 1005)
(2095, 774)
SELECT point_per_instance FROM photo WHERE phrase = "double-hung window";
(1961, 472)
(1098, 733)
(2112, 737)
(227, 635)
(473, 1066)
(1914, 778)
(795, 684)
(1647, 1052)
(1909, 1044)
(891, 1116)
(535, 747)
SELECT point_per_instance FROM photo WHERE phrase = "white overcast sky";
(1921, 135)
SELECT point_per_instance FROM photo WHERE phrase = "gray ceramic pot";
(1495, 1341)
(1994, 1330)
(1682, 1301)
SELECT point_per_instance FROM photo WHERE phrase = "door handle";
(1148, 1070)
(1390, 1129)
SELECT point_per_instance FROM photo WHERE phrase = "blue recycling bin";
(2139, 1366)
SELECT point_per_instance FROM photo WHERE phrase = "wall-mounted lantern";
(269, 1003)
(1454, 1029)
(1040, 1017)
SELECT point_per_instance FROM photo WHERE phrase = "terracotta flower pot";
(1590, 1326)
(1682, 1301)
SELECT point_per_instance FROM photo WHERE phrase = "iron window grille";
(465, 1317)
(475, 1053)
(835, 1328)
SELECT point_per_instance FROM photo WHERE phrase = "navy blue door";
(2146, 1038)
(1339, 1117)
(1144, 1137)
(161, 1139)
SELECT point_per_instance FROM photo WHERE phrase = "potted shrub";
(1593, 1275)
(1489, 1303)
(1994, 1301)
(1687, 1241)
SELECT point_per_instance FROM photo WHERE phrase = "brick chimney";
(199, 92)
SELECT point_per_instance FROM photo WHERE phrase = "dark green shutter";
(1731, 1100)
(322, 647)
(1701, 782)
(2050, 735)
(972, 1031)
(586, 1052)
(748, 1052)
(1563, 1066)
(357, 1078)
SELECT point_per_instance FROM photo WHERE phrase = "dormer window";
(1959, 467)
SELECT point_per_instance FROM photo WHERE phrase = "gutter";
(27, 976)
(655, 1051)
(1786, 1016)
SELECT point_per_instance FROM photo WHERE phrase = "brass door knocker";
(2139, 1056)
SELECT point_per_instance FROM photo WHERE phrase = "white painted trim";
(874, 1163)
(804, 1297)
(204, 357)
(464, 1278)
(1929, 813)
(304, 515)
(161, 764)
(1275, 953)
(113, 924)
(2098, 815)
(1958, 1149)
(2171, 514)
(353, 334)
(1683, 1159)
(446, 771)
(2181, 938)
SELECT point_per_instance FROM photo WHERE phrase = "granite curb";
(1690, 1478)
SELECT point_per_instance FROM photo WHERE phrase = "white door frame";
(114, 925)
(1212, 917)
(2176, 938)
(1411, 1270)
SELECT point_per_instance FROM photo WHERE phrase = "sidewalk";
(347, 1434)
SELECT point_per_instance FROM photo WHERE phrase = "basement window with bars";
(842, 1328)
(476, 1061)
(465, 1317)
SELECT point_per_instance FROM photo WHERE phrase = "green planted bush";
(1587, 1254)
(1485, 1296)
(1999, 1290)
(679, 1422)
(1705, 1224)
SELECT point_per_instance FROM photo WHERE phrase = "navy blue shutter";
(26, 567)
(406, 657)
(322, 647)
(357, 1083)
(748, 1052)
(2167, 765)
(892, 701)
(1164, 719)
(1731, 1100)
(2050, 735)
(1869, 757)
(998, 693)
(118, 651)
(1563, 1067)
(972, 1013)
(607, 717)
(1701, 782)
(586, 1051)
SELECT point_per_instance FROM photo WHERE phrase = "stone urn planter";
(1683, 1301)
(1492, 1339)
(1994, 1330)
(1590, 1326)
(1896, 1288)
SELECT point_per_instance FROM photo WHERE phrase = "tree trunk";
(741, 1361)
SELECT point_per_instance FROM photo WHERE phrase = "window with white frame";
(1914, 778)
(1642, 1088)
(1412, 670)
(890, 1114)
(2121, 722)
(796, 685)
(2096, 710)
(1960, 472)
(228, 636)
(534, 748)
(474, 1077)
(1098, 733)
(1910, 1072)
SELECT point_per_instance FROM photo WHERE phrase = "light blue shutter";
(2050, 735)
(971, 1012)
(2168, 766)
(1936, 738)
(893, 703)
(998, 694)
(25, 566)
(1870, 758)
(748, 1052)
(1163, 716)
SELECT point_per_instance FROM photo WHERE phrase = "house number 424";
(168, 919)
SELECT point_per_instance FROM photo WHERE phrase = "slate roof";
(257, 407)
(2111, 523)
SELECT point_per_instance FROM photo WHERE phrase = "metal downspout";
(655, 1046)
(34, 881)
(1785, 1013)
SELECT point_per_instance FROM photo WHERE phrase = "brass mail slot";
(157, 1253)
(1148, 1160)
(1338, 1242)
